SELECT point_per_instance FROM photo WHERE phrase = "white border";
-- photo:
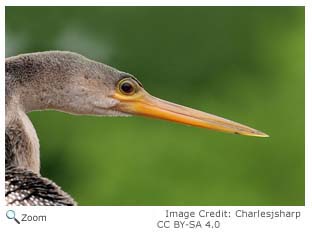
(142, 219)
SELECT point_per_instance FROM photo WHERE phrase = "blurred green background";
(242, 63)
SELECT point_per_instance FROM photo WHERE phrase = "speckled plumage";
(24, 187)
(56, 80)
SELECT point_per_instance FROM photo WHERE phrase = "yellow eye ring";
(127, 86)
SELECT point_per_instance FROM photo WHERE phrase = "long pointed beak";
(146, 105)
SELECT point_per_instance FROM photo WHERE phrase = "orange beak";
(146, 105)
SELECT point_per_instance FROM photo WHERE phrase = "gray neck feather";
(21, 141)
(39, 81)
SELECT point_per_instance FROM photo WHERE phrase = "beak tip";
(261, 135)
(255, 133)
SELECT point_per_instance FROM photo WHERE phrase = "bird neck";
(21, 141)
(25, 90)
(34, 81)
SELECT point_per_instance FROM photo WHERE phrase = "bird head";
(83, 86)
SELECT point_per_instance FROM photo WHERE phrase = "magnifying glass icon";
(11, 215)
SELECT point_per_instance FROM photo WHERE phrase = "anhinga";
(71, 83)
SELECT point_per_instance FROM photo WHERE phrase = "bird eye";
(127, 87)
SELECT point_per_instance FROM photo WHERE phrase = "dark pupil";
(127, 87)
